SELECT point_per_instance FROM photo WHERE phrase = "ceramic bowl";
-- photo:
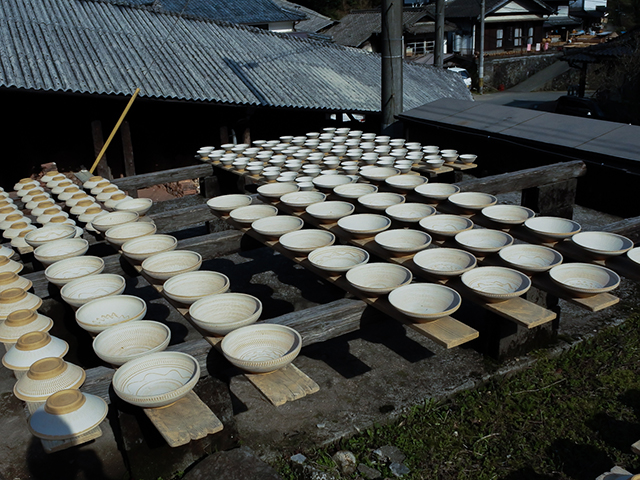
(14, 299)
(157, 379)
(20, 322)
(92, 182)
(249, 214)
(634, 255)
(121, 234)
(65, 195)
(305, 241)
(274, 227)
(114, 200)
(136, 205)
(329, 212)
(61, 187)
(105, 221)
(338, 258)
(50, 213)
(82, 206)
(425, 302)
(446, 225)
(223, 313)
(57, 250)
(46, 377)
(584, 279)
(364, 224)
(10, 266)
(445, 262)
(301, 200)
(496, 284)
(274, 191)
(120, 343)
(30, 205)
(16, 229)
(467, 158)
(226, 203)
(262, 348)
(142, 248)
(31, 347)
(403, 241)
(381, 200)
(64, 271)
(472, 201)
(24, 182)
(163, 266)
(44, 235)
(602, 244)
(13, 280)
(6, 251)
(552, 228)
(354, 190)
(187, 288)
(329, 182)
(410, 212)
(103, 313)
(482, 241)
(379, 174)
(84, 289)
(405, 182)
(379, 278)
(106, 194)
(530, 258)
(508, 214)
(436, 191)
(12, 218)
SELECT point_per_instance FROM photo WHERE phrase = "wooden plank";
(451, 331)
(185, 420)
(164, 176)
(182, 218)
(462, 166)
(284, 385)
(629, 227)
(98, 142)
(52, 446)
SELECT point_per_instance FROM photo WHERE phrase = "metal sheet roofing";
(314, 21)
(101, 48)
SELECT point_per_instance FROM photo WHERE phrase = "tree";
(624, 14)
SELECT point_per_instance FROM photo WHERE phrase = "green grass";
(569, 417)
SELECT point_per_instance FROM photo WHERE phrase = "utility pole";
(481, 59)
(392, 57)
(438, 54)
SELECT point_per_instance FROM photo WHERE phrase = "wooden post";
(555, 199)
(224, 135)
(98, 142)
(127, 151)
(246, 136)
(209, 188)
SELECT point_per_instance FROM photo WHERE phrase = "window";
(419, 48)
(530, 36)
(517, 37)
(499, 35)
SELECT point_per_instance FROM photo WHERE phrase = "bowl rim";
(578, 240)
(284, 239)
(486, 211)
(591, 291)
(195, 273)
(461, 195)
(468, 222)
(318, 251)
(161, 255)
(353, 271)
(483, 231)
(411, 231)
(434, 251)
(105, 334)
(531, 225)
(479, 270)
(385, 219)
(557, 255)
(416, 286)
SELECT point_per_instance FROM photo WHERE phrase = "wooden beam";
(629, 227)
(127, 151)
(182, 218)
(98, 143)
(164, 176)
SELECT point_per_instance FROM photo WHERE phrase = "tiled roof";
(471, 8)
(92, 47)
(314, 21)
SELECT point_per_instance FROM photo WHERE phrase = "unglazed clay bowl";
(508, 214)
(446, 225)
(436, 191)
(552, 228)
(105, 221)
(496, 284)
(123, 342)
(187, 288)
(354, 190)
(13, 280)
(249, 214)
(157, 379)
(584, 279)
(226, 203)
(11, 266)
(425, 302)
(301, 200)
(329, 212)
(379, 174)
(329, 182)
(403, 241)
(13, 299)
(92, 182)
(163, 266)
(405, 182)
(31, 347)
(46, 377)
(379, 278)
(82, 290)
(105, 312)
(135, 205)
(602, 244)
(142, 248)
(220, 314)
(364, 224)
(57, 250)
(121, 234)
(530, 258)
(338, 258)
(472, 201)
(274, 227)
(274, 191)
(381, 201)
(262, 348)
(445, 262)
(69, 269)
(410, 212)
(482, 241)
(305, 241)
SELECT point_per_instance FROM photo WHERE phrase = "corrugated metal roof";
(314, 21)
(101, 48)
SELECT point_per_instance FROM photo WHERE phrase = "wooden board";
(432, 172)
(635, 448)
(462, 166)
(52, 446)
(284, 385)
(187, 419)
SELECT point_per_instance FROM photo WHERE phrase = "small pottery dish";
(107, 193)
(64, 271)
(92, 182)
(261, 348)
(19, 242)
(446, 225)
(329, 212)
(10, 266)
(90, 215)
(57, 250)
(602, 244)
(67, 414)
(46, 377)
(379, 278)
(425, 302)
(120, 343)
(381, 200)
(410, 212)
(508, 214)
(42, 207)
(364, 224)
(190, 287)
(24, 182)
(274, 191)
(105, 221)
(301, 200)
(403, 241)
(14, 299)
(445, 262)
(354, 190)
(379, 174)
(31, 347)
(552, 228)
(20, 322)
(274, 227)
(13, 280)
(467, 158)
(16, 229)
(61, 187)
(496, 284)
(436, 191)
(30, 205)
(82, 290)
(103, 313)
(530, 258)
(82, 206)
(12, 218)
(121, 234)
(472, 201)
(338, 258)
(142, 248)
(99, 187)
(66, 194)
(157, 379)
(50, 213)
(482, 240)
(163, 266)
(49, 234)
(226, 203)
(405, 182)
(584, 279)
(305, 241)
(114, 200)
(249, 214)
(223, 313)
(329, 182)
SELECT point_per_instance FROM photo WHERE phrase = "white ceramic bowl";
(329, 212)
(226, 203)
(405, 182)
(425, 302)
(354, 190)
(301, 200)
(157, 379)
(379, 278)
(57, 250)
(104, 312)
(379, 174)
(381, 200)
(496, 284)
(49, 234)
(249, 214)
(121, 234)
(553, 228)
(262, 348)
(338, 258)
(472, 201)
(602, 244)
(436, 191)
(403, 241)
(8, 265)
(13, 299)
(634, 255)
(31, 347)
(46, 377)
(445, 262)
(274, 227)
(64, 271)
(82, 290)
(276, 190)
(13, 280)
(364, 224)
(123, 342)
(410, 212)
(223, 313)
(305, 241)
(135, 205)
(508, 214)
(142, 248)
(190, 287)
(105, 221)
(531, 258)
(446, 225)
(483, 240)
(165, 265)
(584, 279)
(329, 182)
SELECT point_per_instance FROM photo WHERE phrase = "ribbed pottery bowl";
(338, 258)
(49, 234)
(530, 258)
(446, 225)
(163, 266)
(381, 200)
(120, 343)
(262, 348)
(445, 262)
(105, 221)
(472, 201)
(403, 241)
(103, 313)
(405, 182)
(121, 234)
(274, 191)
(305, 241)
(496, 284)
(410, 212)
(482, 241)
(508, 214)
(142, 248)
(249, 214)
(226, 203)
(332, 211)
(602, 244)
(364, 224)
(274, 227)
(379, 278)
(220, 314)
(82, 290)
(57, 250)
(553, 228)
(301, 200)
(354, 190)
(584, 279)
(187, 288)
(436, 191)
(69, 269)
(135, 205)
(425, 302)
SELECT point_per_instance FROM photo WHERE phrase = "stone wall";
(513, 70)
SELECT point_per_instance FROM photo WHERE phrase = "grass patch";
(570, 417)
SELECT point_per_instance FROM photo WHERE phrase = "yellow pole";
(113, 132)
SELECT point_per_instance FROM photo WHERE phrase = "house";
(313, 23)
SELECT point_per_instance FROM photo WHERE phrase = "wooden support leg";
(554, 199)
(98, 142)
(127, 150)
(224, 135)
(209, 188)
